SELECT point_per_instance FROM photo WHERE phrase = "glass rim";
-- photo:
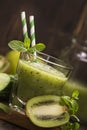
(60, 63)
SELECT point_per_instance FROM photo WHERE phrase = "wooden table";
(8, 126)
(5, 124)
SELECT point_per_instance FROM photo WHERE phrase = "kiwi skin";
(49, 104)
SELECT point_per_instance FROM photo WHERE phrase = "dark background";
(55, 21)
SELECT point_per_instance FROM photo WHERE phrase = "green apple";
(13, 57)
(69, 87)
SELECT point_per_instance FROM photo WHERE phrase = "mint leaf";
(23, 47)
(75, 94)
(17, 45)
(40, 46)
(37, 47)
(70, 126)
(27, 43)
(76, 126)
(66, 100)
(72, 106)
(71, 102)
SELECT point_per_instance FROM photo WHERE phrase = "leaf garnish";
(27, 43)
(72, 106)
(71, 126)
(39, 47)
(75, 95)
(25, 46)
(17, 45)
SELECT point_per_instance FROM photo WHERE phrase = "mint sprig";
(72, 106)
(70, 126)
(25, 46)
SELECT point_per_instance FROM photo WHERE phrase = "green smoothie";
(38, 78)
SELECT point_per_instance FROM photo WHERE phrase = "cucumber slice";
(47, 111)
(4, 65)
(4, 80)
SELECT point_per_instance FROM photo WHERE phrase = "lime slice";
(4, 65)
(4, 80)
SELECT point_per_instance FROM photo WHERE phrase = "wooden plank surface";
(16, 121)
(8, 126)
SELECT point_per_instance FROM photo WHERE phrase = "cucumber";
(47, 111)
(4, 65)
(4, 81)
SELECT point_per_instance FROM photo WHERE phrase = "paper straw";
(32, 30)
(32, 33)
(24, 24)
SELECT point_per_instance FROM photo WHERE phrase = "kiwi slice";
(47, 111)
(4, 81)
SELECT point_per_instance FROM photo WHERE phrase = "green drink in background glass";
(40, 75)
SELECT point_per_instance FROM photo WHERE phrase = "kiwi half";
(47, 111)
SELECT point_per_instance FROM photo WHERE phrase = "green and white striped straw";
(24, 24)
(32, 33)
(32, 30)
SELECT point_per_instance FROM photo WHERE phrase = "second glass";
(37, 75)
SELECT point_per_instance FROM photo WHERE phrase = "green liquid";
(36, 79)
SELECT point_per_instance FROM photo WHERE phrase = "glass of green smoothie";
(37, 75)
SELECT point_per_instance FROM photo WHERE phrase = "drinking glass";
(37, 75)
